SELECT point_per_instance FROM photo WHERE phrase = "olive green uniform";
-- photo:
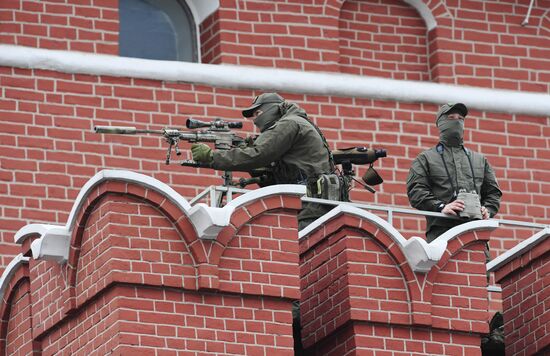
(296, 149)
(429, 185)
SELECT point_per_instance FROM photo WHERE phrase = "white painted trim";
(518, 250)
(461, 229)
(424, 12)
(282, 189)
(285, 80)
(8, 273)
(209, 221)
(124, 176)
(201, 9)
(53, 243)
(36, 229)
(52, 246)
(420, 255)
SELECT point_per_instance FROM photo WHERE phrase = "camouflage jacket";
(429, 185)
(292, 144)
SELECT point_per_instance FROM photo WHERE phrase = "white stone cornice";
(209, 221)
(518, 250)
(201, 9)
(421, 256)
(53, 242)
(285, 80)
(10, 270)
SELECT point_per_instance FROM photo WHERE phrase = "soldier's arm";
(270, 146)
(490, 191)
(419, 188)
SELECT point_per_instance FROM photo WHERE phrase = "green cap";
(452, 107)
(266, 98)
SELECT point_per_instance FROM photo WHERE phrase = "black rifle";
(217, 131)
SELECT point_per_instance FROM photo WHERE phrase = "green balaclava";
(270, 115)
(269, 103)
(451, 131)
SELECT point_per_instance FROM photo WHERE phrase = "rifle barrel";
(123, 130)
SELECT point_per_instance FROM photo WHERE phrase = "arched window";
(157, 29)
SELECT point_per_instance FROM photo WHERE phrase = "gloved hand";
(201, 152)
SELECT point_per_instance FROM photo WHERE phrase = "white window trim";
(201, 9)
(424, 12)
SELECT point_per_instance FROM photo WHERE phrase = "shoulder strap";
(468, 154)
(440, 149)
(325, 143)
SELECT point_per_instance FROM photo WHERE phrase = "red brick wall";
(383, 39)
(88, 26)
(138, 279)
(210, 40)
(266, 248)
(482, 43)
(16, 324)
(131, 241)
(139, 319)
(93, 329)
(373, 339)
(359, 293)
(479, 43)
(48, 149)
(526, 301)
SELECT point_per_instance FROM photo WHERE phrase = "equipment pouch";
(328, 187)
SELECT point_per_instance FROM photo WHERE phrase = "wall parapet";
(131, 235)
(523, 274)
(358, 282)
(132, 243)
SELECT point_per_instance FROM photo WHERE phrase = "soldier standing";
(438, 175)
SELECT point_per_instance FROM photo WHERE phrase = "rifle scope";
(216, 124)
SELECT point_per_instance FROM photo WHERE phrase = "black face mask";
(451, 131)
(269, 116)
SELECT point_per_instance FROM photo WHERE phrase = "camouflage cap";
(454, 107)
(265, 98)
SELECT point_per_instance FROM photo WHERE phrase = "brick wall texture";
(139, 280)
(359, 295)
(48, 149)
(526, 301)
